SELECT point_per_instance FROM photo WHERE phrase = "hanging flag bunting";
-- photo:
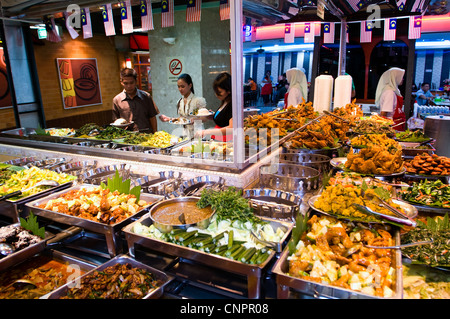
(289, 33)
(346, 34)
(309, 32)
(86, 23)
(366, 31)
(146, 15)
(328, 32)
(52, 33)
(317, 27)
(193, 10)
(390, 27)
(356, 4)
(108, 20)
(253, 36)
(224, 9)
(418, 6)
(73, 33)
(401, 5)
(167, 13)
(126, 16)
(415, 27)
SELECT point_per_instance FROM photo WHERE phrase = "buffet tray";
(111, 232)
(21, 132)
(14, 208)
(161, 277)
(252, 272)
(285, 282)
(18, 256)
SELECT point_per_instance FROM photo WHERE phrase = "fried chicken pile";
(374, 160)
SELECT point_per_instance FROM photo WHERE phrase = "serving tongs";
(20, 192)
(336, 116)
(380, 202)
(418, 243)
(367, 210)
(269, 244)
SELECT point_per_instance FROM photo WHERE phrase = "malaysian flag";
(390, 27)
(108, 20)
(318, 28)
(146, 15)
(86, 23)
(328, 32)
(52, 33)
(126, 17)
(346, 34)
(366, 31)
(224, 10)
(193, 10)
(415, 27)
(401, 5)
(309, 32)
(356, 4)
(167, 13)
(289, 33)
(73, 33)
(418, 6)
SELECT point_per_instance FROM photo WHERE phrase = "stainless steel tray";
(20, 255)
(285, 282)
(100, 175)
(292, 178)
(252, 272)
(317, 161)
(76, 168)
(21, 161)
(165, 184)
(49, 163)
(15, 208)
(111, 232)
(273, 203)
(21, 132)
(161, 277)
(194, 186)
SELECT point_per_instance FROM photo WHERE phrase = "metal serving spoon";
(381, 202)
(19, 192)
(426, 242)
(6, 249)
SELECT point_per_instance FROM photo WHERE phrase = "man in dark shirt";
(135, 105)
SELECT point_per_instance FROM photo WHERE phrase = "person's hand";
(200, 133)
(164, 118)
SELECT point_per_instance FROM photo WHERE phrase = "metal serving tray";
(163, 185)
(161, 277)
(14, 208)
(111, 232)
(76, 168)
(20, 255)
(285, 282)
(21, 132)
(253, 273)
(273, 203)
(21, 161)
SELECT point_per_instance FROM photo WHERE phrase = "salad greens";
(429, 193)
(228, 204)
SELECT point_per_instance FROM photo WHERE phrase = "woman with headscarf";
(298, 87)
(389, 98)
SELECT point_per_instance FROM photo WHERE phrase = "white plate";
(189, 122)
(121, 125)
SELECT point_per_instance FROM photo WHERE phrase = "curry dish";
(169, 214)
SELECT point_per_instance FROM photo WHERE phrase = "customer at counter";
(424, 96)
(223, 118)
(389, 98)
(134, 105)
(188, 103)
(298, 87)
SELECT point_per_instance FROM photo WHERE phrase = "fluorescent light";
(282, 48)
(433, 44)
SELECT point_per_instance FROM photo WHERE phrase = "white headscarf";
(297, 78)
(389, 80)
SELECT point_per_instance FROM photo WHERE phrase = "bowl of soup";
(180, 212)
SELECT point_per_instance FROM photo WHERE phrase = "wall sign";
(80, 83)
(174, 69)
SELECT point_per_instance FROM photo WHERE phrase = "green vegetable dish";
(412, 136)
(429, 193)
(435, 254)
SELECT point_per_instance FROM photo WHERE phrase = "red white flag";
(309, 32)
(167, 19)
(73, 33)
(126, 17)
(390, 27)
(86, 23)
(366, 31)
(289, 32)
(52, 33)
(347, 40)
(146, 15)
(108, 20)
(328, 32)
(415, 27)
(224, 9)
(194, 10)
